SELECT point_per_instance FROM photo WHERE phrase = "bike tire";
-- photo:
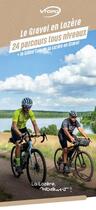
(55, 159)
(17, 175)
(82, 154)
(44, 174)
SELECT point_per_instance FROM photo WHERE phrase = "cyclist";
(66, 134)
(18, 128)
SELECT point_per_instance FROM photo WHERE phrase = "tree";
(51, 130)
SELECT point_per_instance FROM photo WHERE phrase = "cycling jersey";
(21, 119)
(67, 123)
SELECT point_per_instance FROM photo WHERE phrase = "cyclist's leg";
(16, 138)
(23, 130)
(63, 142)
(17, 153)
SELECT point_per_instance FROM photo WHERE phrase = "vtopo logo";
(51, 11)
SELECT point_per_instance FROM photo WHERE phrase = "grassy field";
(48, 147)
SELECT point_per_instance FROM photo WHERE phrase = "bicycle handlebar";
(76, 142)
(41, 135)
(33, 136)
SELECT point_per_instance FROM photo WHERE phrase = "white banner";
(48, 39)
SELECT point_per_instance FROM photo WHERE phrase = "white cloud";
(6, 103)
(85, 59)
(80, 68)
(81, 73)
(26, 83)
(63, 103)
(77, 101)
(50, 103)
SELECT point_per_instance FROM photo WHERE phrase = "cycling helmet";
(27, 102)
(73, 114)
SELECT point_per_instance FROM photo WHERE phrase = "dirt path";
(20, 189)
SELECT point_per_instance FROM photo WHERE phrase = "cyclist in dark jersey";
(66, 134)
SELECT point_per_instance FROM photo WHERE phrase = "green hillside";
(90, 120)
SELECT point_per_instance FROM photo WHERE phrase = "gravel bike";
(79, 160)
(31, 159)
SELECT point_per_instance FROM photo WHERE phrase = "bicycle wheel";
(36, 168)
(13, 164)
(58, 161)
(84, 166)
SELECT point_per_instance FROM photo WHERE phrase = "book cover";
(47, 101)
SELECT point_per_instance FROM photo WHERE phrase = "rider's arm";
(81, 130)
(34, 123)
(68, 134)
(14, 122)
(35, 126)
(14, 127)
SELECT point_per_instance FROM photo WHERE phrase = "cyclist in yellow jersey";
(18, 128)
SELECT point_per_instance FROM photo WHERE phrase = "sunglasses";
(27, 108)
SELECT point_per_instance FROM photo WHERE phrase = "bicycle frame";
(30, 146)
(76, 150)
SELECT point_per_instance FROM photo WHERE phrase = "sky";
(58, 80)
